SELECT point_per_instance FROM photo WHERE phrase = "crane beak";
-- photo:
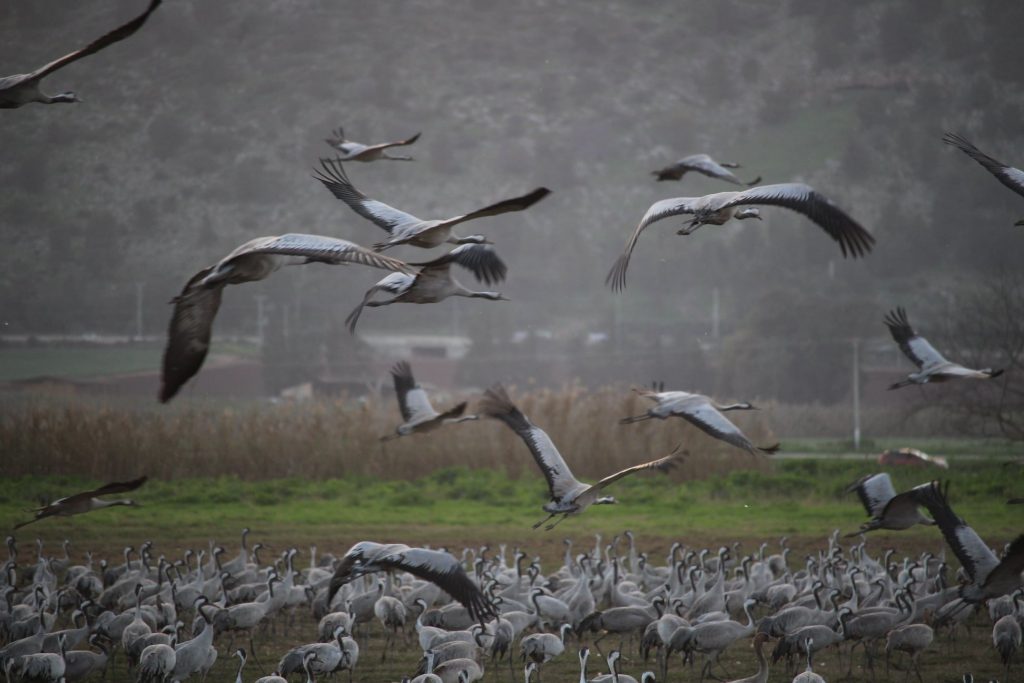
(1020, 222)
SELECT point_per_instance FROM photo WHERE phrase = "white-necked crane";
(705, 165)
(434, 281)
(888, 509)
(719, 208)
(569, 496)
(86, 501)
(990, 576)
(413, 402)
(932, 365)
(356, 151)
(188, 338)
(438, 567)
(702, 412)
(1009, 176)
(405, 228)
(21, 89)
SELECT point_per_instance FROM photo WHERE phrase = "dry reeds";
(341, 438)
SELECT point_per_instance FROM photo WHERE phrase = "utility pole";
(261, 320)
(856, 394)
(138, 310)
(715, 313)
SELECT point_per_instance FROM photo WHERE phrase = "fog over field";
(203, 130)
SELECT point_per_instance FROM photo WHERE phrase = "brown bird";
(86, 501)
(21, 89)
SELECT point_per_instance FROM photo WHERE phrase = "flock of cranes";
(160, 618)
(690, 606)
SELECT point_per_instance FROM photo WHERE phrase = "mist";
(203, 131)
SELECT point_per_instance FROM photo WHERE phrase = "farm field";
(456, 508)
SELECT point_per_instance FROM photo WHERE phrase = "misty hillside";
(203, 130)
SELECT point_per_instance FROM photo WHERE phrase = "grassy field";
(93, 360)
(801, 499)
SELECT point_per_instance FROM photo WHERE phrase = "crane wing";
(853, 239)
(874, 491)
(1008, 571)
(1009, 176)
(657, 211)
(914, 347)
(109, 38)
(319, 249)
(480, 259)
(663, 465)
(443, 570)
(395, 283)
(975, 556)
(561, 482)
(702, 163)
(117, 487)
(412, 400)
(505, 206)
(389, 145)
(909, 500)
(188, 337)
(334, 178)
(106, 489)
(709, 420)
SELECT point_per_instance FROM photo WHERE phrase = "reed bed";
(341, 438)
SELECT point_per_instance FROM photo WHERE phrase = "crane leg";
(543, 520)
(252, 650)
(551, 526)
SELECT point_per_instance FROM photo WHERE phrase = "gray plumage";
(21, 89)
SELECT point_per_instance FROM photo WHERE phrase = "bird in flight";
(86, 501)
(1009, 176)
(991, 577)
(702, 412)
(705, 165)
(932, 365)
(888, 509)
(405, 228)
(719, 208)
(435, 566)
(569, 496)
(357, 151)
(188, 339)
(418, 413)
(21, 89)
(434, 282)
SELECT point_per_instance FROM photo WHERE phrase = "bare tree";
(988, 331)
